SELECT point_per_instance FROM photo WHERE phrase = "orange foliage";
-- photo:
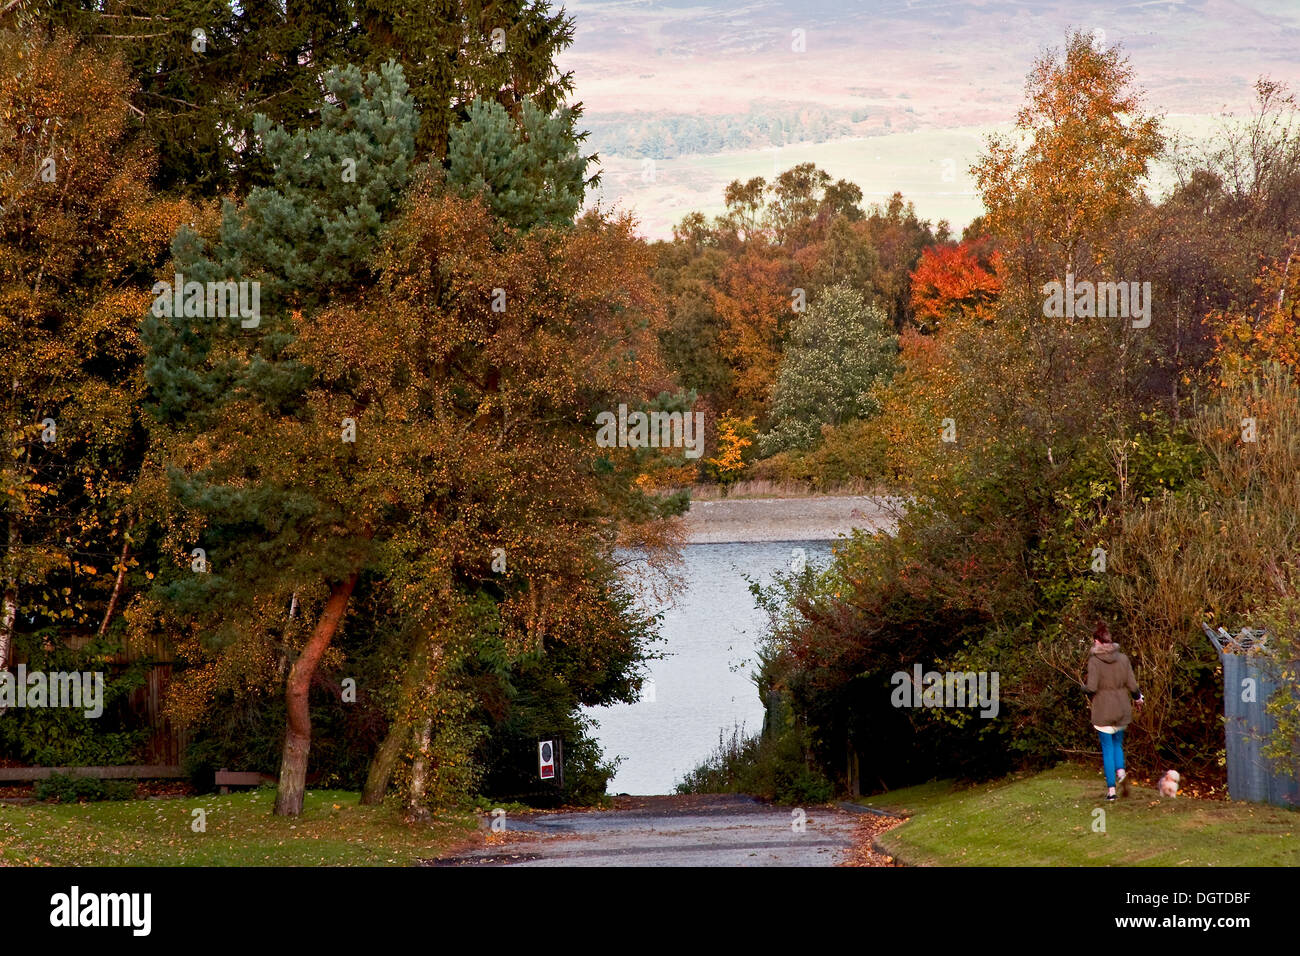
(735, 434)
(1268, 331)
(950, 280)
(753, 300)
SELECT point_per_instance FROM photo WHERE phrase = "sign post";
(550, 761)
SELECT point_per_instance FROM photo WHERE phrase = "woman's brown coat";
(1110, 682)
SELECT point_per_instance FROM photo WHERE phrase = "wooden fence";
(20, 774)
(165, 744)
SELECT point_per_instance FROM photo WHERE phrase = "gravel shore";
(787, 519)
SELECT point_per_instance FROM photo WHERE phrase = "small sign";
(546, 759)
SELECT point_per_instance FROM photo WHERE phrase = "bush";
(770, 766)
(65, 737)
(70, 788)
(855, 450)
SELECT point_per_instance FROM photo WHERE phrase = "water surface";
(702, 686)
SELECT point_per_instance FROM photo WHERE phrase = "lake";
(702, 686)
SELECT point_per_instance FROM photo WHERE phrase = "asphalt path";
(705, 830)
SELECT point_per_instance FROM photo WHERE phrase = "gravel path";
(787, 519)
(706, 830)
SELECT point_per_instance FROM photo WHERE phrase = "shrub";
(774, 767)
(70, 788)
(62, 736)
(852, 451)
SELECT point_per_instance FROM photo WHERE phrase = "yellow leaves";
(733, 432)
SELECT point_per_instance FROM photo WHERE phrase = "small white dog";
(1168, 784)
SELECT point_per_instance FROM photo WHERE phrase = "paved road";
(669, 831)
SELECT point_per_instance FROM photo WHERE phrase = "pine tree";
(453, 55)
(257, 448)
(204, 70)
(528, 174)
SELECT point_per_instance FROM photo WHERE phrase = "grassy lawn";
(1047, 820)
(334, 830)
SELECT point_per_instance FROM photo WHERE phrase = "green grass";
(334, 830)
(1047, 820)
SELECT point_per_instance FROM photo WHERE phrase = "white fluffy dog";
(1168, 785)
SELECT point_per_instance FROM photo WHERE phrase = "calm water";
(702, 685)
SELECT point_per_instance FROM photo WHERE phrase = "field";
(334, 830)
(929, 167)
(1047, 820)
(932, 78)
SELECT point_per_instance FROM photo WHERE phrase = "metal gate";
(1248, 684)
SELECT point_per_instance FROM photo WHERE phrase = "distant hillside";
(670, 136)
(891, 94)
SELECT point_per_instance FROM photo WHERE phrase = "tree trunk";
(297, 736)
(384, 763)
(415, 808)
(399, 731)
(8, 599)
(427, 675)
(8, 615)
(118, 584)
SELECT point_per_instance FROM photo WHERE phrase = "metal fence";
(1248, 683)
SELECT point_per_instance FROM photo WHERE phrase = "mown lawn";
(334, 830)
(1047, 820)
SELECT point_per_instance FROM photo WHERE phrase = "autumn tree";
(897, 236)
(961, 279)
(81, 234)
(754, 301)
(1052, 202)
(847, 256)
(794, 209)
(507, 398)
(735, 435)
(1208, 245)
(803, 201)
(260, 452)
(1267, 331)
(686, 272)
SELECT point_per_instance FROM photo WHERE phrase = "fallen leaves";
(865, 833)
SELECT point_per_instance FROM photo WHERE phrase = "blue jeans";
(1112, 754)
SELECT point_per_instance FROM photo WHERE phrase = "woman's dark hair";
(1102, 633)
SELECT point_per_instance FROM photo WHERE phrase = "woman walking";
(1110, 682)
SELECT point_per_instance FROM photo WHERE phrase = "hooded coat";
(1110, 682)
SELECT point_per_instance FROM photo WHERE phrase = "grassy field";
(930, 167)
(1047, 820)
(332, 831)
